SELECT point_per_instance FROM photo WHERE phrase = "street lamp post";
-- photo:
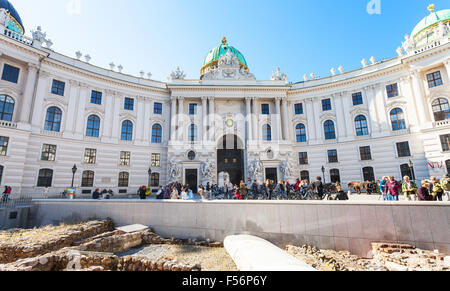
(411, 170)
(74, 170)
(323, 174)
(149, 176)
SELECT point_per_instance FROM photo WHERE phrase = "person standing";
(318, 187)
(437, 190)
(423, 194)
(394, 189)
(96, 194)
(160, 193)
(174, 195)
(445, 183)
(409, 189)
(383, 188)
(243, 189)
(45, 193)
(142, 193)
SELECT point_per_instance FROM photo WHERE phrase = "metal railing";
(12, 201)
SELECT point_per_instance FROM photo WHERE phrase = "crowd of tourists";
(428, 190)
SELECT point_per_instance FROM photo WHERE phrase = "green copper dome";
(214, 54)
(431, 20)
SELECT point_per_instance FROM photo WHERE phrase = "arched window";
(93, 126)
(300, 131)
(447, 164)
(124, 178)
(87, 180)
(330, 132)
(45, 178)
(335, 176)
(304, 175)
(157, 133)
(193, 133)
(53, 119)
(6, 108)
(406, 171)
(398, 119)
(369, 174)
(1, 173)
(267, 132)
(154, 180)
(127, 130)
(361, 125)
(441, 109)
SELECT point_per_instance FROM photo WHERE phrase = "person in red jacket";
(394, 188)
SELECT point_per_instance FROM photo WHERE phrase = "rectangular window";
(326, 104)
(366, 154)
(265, 109)
(445, 141)
(129, 104)
(156, 160)
(58, 87)
(434, 79)
(48, 153)
(332, 156)
(157, 108)
(357, 99)
(192, 109)
(125, 158)
(298, 108)
(403, 149)
(392, 90)
(90, 156)
(10, 73)
(4, 141)
(96, 97)
(303, 158)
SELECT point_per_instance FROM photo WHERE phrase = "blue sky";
(156, 36)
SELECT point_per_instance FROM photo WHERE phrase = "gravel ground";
(329, 260)
(211, 259)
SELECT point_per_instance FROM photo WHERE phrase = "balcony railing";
(8, 124)
(442, 123)
(16, 36)
(51, 133)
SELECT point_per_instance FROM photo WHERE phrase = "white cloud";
(73, 7)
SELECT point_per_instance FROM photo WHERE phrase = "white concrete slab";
(132, 228)
(251, 253)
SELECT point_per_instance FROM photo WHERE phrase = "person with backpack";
(409, 189)
(436, 189)
(445, 183)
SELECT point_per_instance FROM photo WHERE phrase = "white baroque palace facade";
(379, 120)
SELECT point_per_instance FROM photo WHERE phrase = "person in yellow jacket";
(409, 189)
(437, 190)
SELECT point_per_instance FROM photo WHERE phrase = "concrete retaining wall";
(350, 225)
(14, 217)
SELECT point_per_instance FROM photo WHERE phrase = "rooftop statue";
(409, 45)
(279, 76)
(4, 17)
(178, 74)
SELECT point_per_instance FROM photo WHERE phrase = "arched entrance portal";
(230, 158)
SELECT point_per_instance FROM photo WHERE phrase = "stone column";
(419, 97)
(317, 120)
(139, 107)
(41, 93)
(248, 118)
(372, 105)
(286, 128)
(277, 126)
(349, 124)
(28, 93)
(79, 126)
(180, 118)
(255, 119)
(173, 119)
(447, 67)
(311, 127)
(72, 95)
(340, 114)
(211, 119)
(116, 126)
(147, 116)
(205, 119)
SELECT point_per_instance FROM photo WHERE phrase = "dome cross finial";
(224, 40)
(431, 8)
